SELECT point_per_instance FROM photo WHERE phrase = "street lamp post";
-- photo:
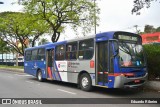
(95, 22)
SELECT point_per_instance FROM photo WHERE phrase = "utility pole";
(95, 22)
(137, 31)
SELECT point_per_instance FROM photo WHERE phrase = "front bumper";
(124, 82)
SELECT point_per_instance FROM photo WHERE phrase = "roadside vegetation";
(153, 60)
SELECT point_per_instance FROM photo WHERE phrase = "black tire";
(85, 82)
(39, 76)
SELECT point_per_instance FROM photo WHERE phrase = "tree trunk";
(2, 58)
(55, 36)
(16, 59)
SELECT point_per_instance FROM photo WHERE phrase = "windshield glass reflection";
(131, 55)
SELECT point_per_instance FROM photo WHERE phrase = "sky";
(114, 15)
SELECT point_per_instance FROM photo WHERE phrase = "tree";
(43, 41)
(4, 48)
(149, 29)
(17, 28)
(158, 29)
(140, 4)
(60, 13)
(137, 30)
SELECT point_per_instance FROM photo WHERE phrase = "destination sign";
(125, 37)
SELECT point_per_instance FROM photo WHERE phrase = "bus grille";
(134, 83)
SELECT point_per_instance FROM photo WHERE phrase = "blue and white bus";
(109, 59)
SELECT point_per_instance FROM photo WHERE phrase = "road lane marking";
(66, 91)
(22, 75)
(30, 82)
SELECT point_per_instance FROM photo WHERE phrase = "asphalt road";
(21, 85)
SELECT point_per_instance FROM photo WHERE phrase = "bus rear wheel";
(39, 76)
(85, 82)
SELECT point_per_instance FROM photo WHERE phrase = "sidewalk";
(13, 69)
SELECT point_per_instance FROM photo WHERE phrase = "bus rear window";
(28, 55)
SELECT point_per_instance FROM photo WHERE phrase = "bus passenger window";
(60, 52)
(34, 55)
(86, 49)
(41, 54)
(28, 55)
(71, 51)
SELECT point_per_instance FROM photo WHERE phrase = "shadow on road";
(117, 92)
(99, 90)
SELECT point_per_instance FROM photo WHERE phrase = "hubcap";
(84, 82)
(39, 76)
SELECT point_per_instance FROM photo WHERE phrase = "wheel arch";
(37, 71)
(79, 75)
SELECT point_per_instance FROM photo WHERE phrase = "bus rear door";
(50, 63)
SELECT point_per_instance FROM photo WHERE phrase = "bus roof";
(109, 35)
(46, 45)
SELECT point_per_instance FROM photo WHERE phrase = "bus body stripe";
(122, 74)
(57, 71)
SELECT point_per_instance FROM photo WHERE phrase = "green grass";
(17, 67)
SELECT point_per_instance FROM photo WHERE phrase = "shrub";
(153, 60)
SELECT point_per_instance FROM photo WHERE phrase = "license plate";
(136, 81)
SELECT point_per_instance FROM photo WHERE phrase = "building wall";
(7, 57)
(150, 38)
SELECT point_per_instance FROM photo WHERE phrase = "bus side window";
(34, 54)
(41, 54)
(86, 49)
(71, 51)
(60, 52)
(28, 55)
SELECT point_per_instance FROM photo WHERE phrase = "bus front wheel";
(85, 82)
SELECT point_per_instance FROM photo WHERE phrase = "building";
(151, 38)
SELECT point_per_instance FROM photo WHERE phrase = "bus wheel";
(85, 82)
(39, 76)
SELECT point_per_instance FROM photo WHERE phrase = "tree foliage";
(149, 29)
(60, 13)
(17, 28)
(43, 41)
(4, 48)
(153, 55)
(158, 29)
(140, 4)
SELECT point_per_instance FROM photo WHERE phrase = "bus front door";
(50, 64)
(102, 63)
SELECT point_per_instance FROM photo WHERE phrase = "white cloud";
(115, 15)
(10, 5)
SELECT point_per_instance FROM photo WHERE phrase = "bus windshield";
(131, 55)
